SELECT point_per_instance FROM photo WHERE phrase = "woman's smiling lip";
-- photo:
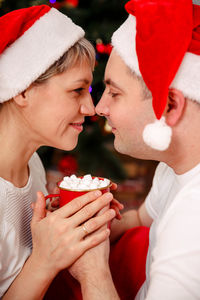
(77, 126)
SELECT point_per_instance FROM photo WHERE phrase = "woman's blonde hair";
(78, 53)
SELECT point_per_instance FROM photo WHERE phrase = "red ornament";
(100, 48)
(104, 49)
(73, 3)
(108, 49)
(67, 165)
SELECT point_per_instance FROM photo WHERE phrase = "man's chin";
(119, 147)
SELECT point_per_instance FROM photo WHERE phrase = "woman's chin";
(68, 146)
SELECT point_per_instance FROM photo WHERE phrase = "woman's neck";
(14, 164)
(16, 149)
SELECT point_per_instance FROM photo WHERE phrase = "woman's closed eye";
(79, 90)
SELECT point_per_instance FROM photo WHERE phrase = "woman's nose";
(88, 108)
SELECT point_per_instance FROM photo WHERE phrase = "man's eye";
(113, 95)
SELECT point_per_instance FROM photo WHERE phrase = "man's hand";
(131, 218)
(93, 273)
(119, 227)
(115, 204)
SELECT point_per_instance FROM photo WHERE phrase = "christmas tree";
(99, 18)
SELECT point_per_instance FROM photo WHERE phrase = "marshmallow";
(95, 181)
(87, 177)
(86, 183)
(103, 184)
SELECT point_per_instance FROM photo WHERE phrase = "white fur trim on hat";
(158, 135)
(187, 79)
(123, 41)
(35, 51)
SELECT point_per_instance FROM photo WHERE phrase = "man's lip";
(113, 128)
(111, 125)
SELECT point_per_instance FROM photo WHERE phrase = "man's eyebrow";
(112, 83)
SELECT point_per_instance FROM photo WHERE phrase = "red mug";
(66, 195)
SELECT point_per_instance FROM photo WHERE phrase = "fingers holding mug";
(96, 223)
(88, 211)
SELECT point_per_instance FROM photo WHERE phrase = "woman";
(45, 73)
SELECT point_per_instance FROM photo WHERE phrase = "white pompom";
(157, 135)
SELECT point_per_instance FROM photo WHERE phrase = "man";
(157, 47)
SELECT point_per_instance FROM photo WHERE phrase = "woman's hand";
(59, 236)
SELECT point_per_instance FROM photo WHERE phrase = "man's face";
(126, 110)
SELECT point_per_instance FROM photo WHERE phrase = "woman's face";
(56, 109)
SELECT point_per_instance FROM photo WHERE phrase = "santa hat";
(160, 42)
(32, 39)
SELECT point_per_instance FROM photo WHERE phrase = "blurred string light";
(69, 3)
(90, 89)
(1, 2)
(107, 127)
(73, 3)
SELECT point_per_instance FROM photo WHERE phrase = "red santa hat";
(32, 39)
(160, 41)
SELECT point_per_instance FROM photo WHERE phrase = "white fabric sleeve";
(174, 272)
(151, 204)
(152, 199)
(12, 257)
(13, 253)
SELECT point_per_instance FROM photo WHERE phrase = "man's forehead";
(109, 81)
(115, 59)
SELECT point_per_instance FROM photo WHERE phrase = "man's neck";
(185, 159)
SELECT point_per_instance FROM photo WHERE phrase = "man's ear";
(175, 107)
(21, 99)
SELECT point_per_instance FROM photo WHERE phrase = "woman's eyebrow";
(83, 80)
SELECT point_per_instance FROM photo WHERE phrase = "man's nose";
(102, 108)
